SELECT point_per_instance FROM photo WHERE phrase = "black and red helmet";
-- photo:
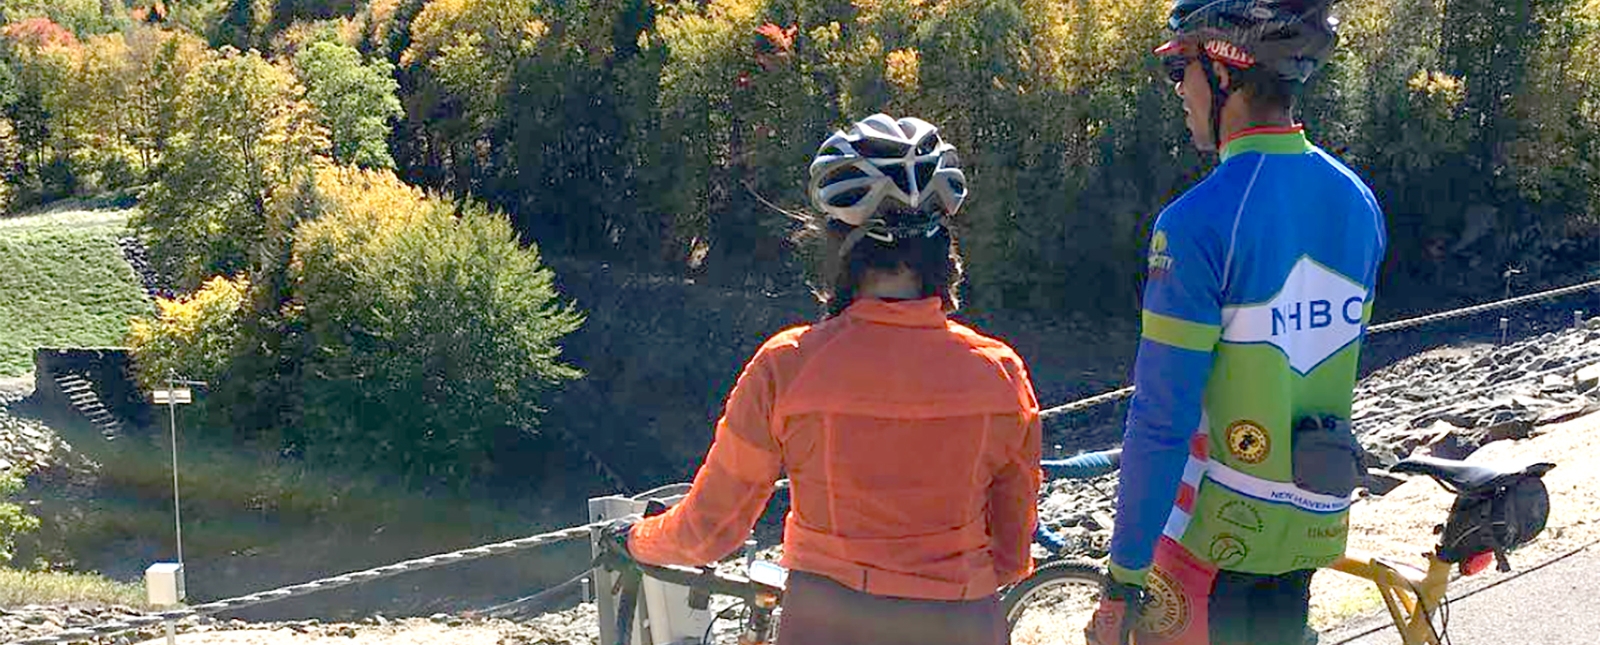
(1291, 37)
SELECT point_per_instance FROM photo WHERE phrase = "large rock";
(1587, 378)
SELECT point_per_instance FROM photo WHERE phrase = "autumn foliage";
(673, 137)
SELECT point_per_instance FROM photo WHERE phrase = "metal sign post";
(1505, 323)
(173, 396)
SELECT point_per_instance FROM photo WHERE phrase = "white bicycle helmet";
(902, 161)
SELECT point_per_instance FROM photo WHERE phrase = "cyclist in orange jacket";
(911, 441)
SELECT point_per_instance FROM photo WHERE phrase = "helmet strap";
(1219, 98)
(851, 240)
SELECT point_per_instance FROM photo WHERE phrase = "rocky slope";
(1450, 402)
(26, 445)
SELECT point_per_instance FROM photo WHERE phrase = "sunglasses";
(1177, 66)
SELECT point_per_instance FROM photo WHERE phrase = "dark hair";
(1268, 90)
(934, 259)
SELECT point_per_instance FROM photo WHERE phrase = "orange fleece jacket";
(912, 443)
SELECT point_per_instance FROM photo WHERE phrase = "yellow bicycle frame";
(1411, 594)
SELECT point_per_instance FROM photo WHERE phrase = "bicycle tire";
(1019, 598)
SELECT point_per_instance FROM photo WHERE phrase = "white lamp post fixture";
(165, 580)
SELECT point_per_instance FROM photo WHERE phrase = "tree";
(14, 520)
(356, 102)
(462, 54)
(162, 61)
(42, 55)
(94, 119)
(471, 46)
(245, 136)
(442, 307)
(194, 336)
(242, 23)
(82, 17)
(11, 168)
(197, 16)
(288, 12)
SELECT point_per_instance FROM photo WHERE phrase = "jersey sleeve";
(1181, 324)
(731, 488)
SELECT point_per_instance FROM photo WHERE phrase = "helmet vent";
(881, 149)
(849, 197)
(834, 151)
(901, 178)
(925, 173)
(846, 174)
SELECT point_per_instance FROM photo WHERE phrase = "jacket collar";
(923, 312)
(1282, 140)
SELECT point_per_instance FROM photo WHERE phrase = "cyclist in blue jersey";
(1238, 459)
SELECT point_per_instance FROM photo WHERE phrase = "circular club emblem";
(1248, 443)
(1167, 613)
(1228, 551)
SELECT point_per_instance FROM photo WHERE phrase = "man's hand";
(1114, 619)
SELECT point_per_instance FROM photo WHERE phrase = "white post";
(172, 420)
(172, 396)
(663, 614)
(163, 583)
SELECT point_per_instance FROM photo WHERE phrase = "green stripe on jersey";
(1180, 333)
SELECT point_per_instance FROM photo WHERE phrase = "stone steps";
(80, 393)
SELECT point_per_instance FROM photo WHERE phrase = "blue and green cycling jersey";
(1260, 287)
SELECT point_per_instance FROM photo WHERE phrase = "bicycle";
(1060, 595)
(759, 590)
(1479, 530)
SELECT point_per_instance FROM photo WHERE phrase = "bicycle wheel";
(1053, 605)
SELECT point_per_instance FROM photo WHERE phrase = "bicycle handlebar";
(1085, 466)
(702, 578)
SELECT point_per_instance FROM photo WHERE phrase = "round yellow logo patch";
(1160, 263)
(1167, 613)
(1248, 442)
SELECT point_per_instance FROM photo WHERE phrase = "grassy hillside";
(64, 283)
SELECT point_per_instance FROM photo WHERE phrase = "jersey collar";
(923, 312)
(1271, 140)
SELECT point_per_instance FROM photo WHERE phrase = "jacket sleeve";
(1181, 324)
(732, 486)
(1014, 491)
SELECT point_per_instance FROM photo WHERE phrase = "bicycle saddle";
(1463, 476)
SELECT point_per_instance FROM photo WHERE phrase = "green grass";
(235, 500)
(232, 479)
(66, 284)
(50, 588)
